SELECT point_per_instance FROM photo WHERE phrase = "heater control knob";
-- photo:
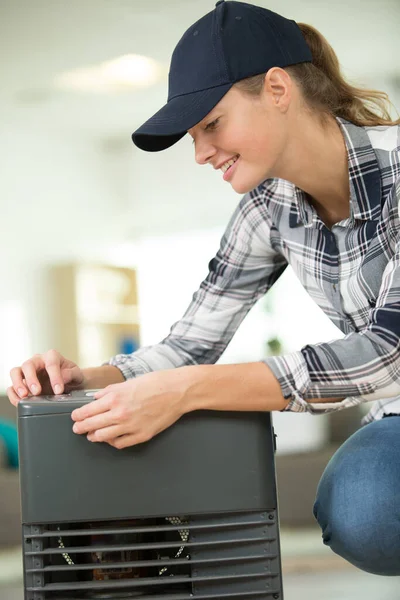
(62, 397)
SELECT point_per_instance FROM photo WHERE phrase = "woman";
(264, 101)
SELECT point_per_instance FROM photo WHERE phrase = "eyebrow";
(201, 123)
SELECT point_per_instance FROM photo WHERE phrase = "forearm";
(241, 387)
(101, 377)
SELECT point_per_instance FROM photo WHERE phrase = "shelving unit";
(95, 311)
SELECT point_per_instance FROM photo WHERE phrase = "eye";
(211, 125)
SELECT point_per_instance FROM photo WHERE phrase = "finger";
(131, 439)
(17, 380)
(52, 361)
(92, 408)
(30, 370)
(95, 423)
(106, 390)
(105, 434)
(12, 396)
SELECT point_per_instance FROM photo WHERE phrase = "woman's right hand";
(48, 373)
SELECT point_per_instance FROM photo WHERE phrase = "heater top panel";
(54, 404)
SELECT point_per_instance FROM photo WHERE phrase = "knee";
(358, 511)
(373, 546)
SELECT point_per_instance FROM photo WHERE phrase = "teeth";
(228, 164)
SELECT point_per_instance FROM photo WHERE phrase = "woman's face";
(245, 136)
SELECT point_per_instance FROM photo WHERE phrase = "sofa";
(10, 515)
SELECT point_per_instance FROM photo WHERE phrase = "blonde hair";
(324, 88)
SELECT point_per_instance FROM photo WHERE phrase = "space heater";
(190, 514)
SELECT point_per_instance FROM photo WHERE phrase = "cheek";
(260, 157)
(265, 146)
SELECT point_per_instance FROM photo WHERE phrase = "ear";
(278, 88)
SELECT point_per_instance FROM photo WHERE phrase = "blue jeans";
(358, 499)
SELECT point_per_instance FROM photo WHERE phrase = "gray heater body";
(190, 514)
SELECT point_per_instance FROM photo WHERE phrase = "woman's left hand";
(132, 412)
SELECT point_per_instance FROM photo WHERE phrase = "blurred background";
(95, 235)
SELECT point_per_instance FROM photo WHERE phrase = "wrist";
(100, 377)
(205, 387)
(194, 386)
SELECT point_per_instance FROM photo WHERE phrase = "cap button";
(219, 2)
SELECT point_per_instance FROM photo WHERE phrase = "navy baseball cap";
(234, 41)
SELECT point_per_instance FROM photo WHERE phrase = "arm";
(241, 387)
(245, 267)
(363, 366)
(136, 410)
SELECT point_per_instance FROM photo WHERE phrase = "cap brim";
(172, 122)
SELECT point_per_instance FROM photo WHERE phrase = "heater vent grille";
(226, 555)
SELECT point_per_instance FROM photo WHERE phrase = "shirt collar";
(364, 177)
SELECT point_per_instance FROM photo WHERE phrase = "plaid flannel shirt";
(352, 271)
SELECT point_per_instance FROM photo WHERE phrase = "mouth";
(228, 167)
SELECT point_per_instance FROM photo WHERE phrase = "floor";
(310, 572)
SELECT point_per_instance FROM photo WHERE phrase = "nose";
(204, 151)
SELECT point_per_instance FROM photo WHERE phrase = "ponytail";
(324, 88)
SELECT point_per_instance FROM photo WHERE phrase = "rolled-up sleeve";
(362, 366)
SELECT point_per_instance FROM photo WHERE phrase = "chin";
(243, 187)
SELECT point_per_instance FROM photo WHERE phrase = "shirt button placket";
(335, 252)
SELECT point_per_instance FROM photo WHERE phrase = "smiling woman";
(318, 162)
